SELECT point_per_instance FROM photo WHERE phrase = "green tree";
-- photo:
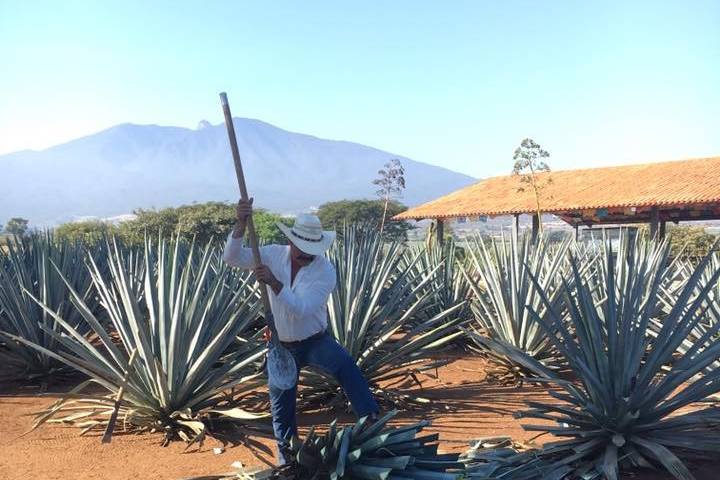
(266, 227)
(366, 212)
(87, 232)
(692, 243)
(17, 226)
(686, 242)
(529, 162)
(391, 183)
(205, 221)
(148, 221)
(202, 221)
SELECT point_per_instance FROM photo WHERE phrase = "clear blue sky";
(452, 83)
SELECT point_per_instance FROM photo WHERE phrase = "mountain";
(131, 166)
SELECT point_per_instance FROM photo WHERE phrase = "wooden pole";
(516, 227)
(577, 232)
(281, 366)
(654, 222)
(535, 227)
(244, 195)
(662, 229)
(439, 231)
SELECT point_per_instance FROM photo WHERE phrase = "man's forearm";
(276, 286)
(264, 275)
(238, 230)
(236, 254)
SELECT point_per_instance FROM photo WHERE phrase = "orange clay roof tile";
(680, 182)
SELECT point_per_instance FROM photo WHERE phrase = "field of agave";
(166, 338)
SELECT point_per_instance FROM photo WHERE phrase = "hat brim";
(309, 247)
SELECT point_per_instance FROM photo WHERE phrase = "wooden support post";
(662, 230)
(535, 226)
(577, 232)
(516, 227)
(654, 222)
(439, 231)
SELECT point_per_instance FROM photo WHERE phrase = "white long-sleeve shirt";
(300, 309)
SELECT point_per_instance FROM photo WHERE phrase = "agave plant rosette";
(501, 275)
(365, 450)
(635, 402)
(371, 313)
(180, 318)
(34, 266)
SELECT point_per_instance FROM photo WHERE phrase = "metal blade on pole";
(282, 371)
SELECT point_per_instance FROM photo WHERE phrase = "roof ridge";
(610, 167)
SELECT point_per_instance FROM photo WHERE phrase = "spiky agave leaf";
(182, 319)
(26, 270)
(500, 275)
(628, 406)
(370, 314)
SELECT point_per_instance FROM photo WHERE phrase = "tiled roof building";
(653, 192)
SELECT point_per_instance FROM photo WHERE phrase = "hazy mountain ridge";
(131, 166)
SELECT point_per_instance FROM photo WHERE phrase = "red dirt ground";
(52, 452)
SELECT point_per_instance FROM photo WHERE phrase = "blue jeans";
(326, 354)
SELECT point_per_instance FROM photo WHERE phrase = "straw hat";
(307, 234)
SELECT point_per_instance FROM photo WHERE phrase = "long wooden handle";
(244, 195)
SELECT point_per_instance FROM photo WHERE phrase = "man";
(299, 280)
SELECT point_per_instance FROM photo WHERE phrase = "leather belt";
(311, 337)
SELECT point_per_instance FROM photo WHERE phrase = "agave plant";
(628, 407)
(501, 276)
(178, 320)
(365, 450)
(35, 266)
(378, 295)
(679, 273)
(449, 285)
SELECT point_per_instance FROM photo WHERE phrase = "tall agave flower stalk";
(633, 404)
(35, 266)
(371, 313)
(180, 318)
(365, 450)
(501, 275)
